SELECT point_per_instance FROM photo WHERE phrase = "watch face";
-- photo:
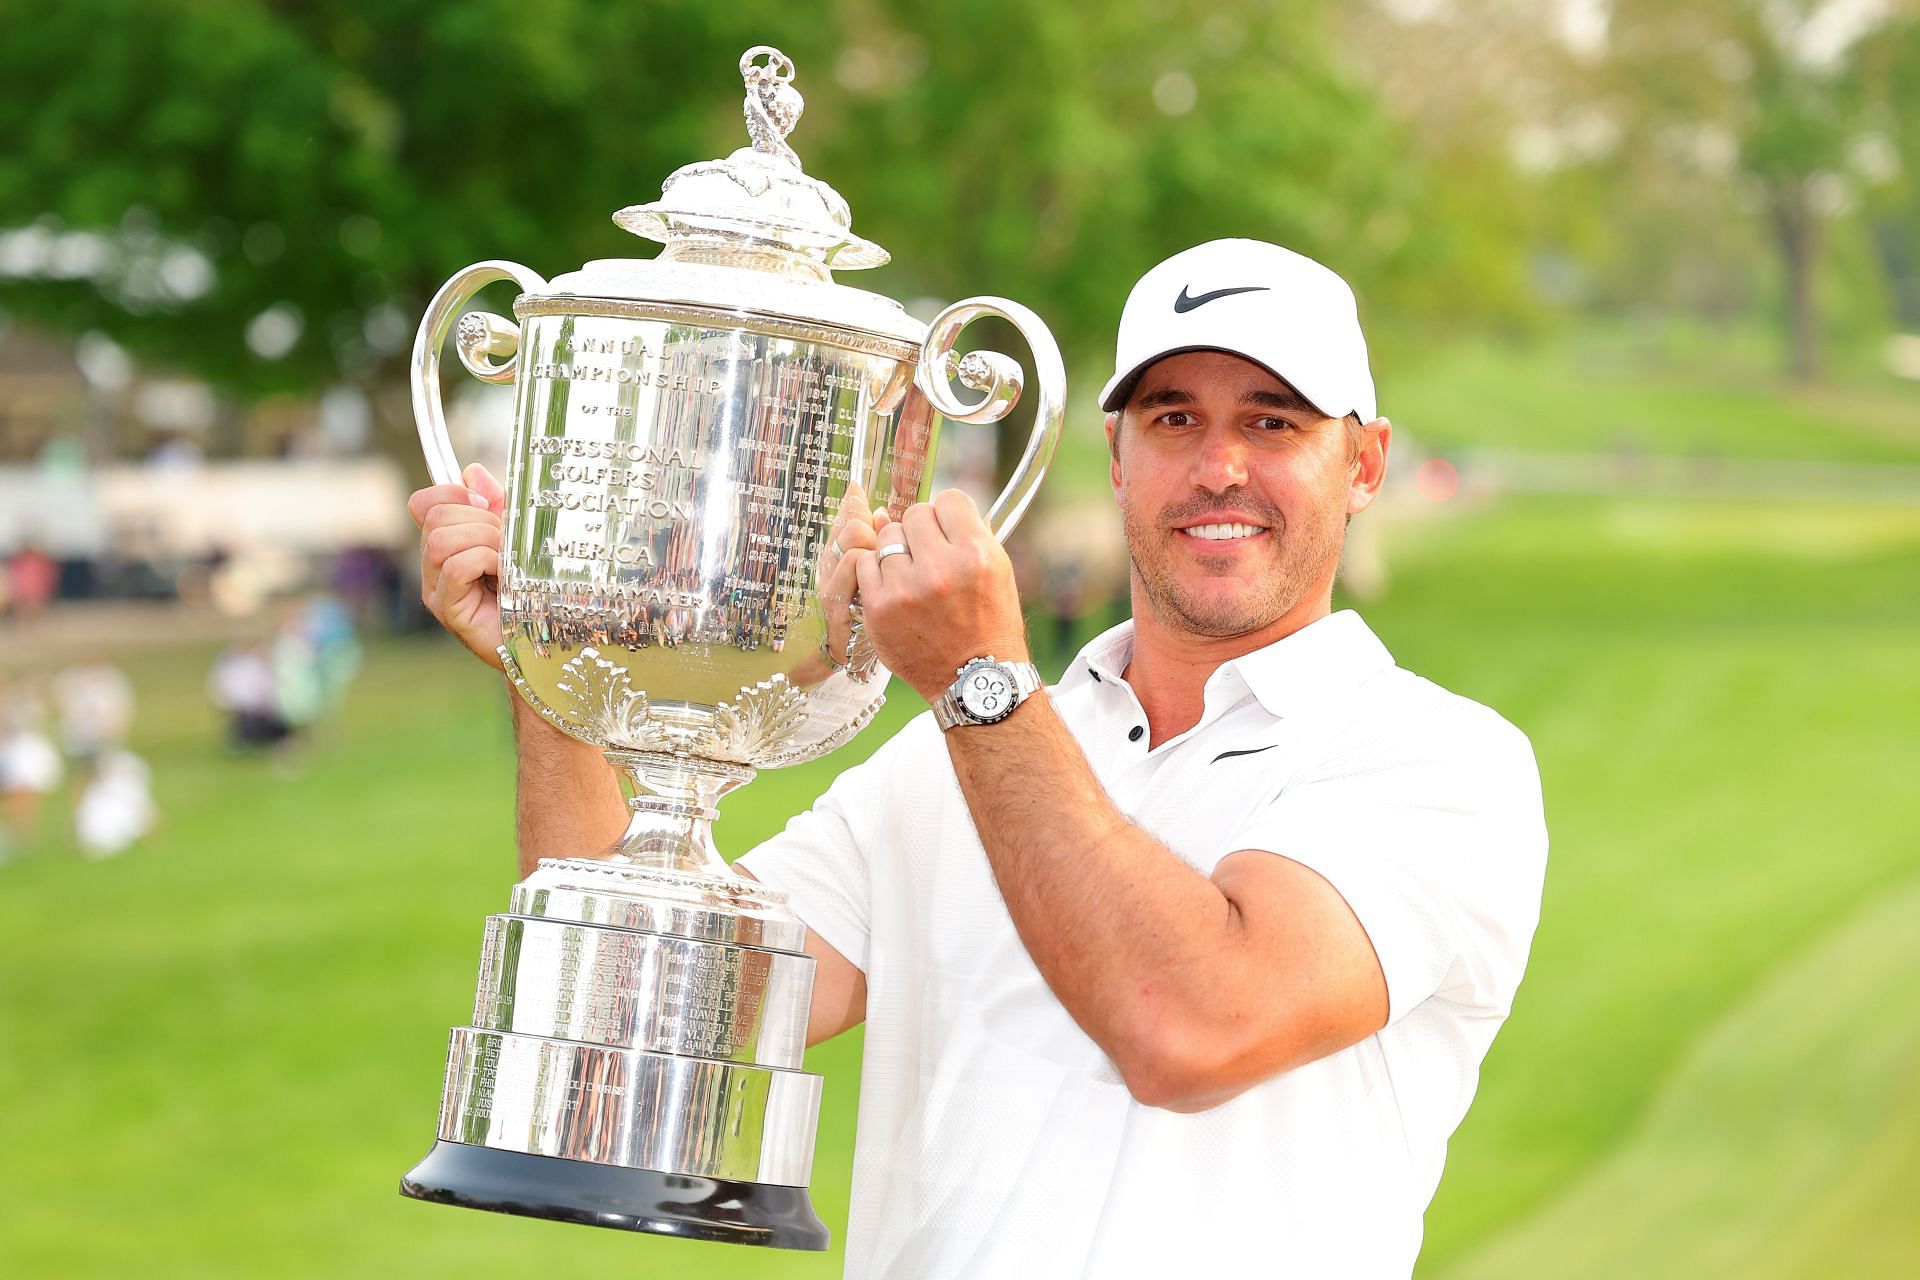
(987, 692)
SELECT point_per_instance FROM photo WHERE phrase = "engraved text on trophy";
(674, 488)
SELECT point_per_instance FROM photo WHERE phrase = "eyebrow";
(1288, 399)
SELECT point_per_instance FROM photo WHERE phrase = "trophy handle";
(999, 380)
(482, 335)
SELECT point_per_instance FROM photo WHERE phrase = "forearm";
(567, 798)
(1135, 943)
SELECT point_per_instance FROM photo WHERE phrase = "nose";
(1221, 462)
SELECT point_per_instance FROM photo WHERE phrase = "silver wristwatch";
(987, 690)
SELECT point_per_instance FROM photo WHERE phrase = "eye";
(1272, 423)
(1178, 418)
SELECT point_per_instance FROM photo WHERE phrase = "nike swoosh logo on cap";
(1184, 304)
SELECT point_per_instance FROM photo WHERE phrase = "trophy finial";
(773, 105)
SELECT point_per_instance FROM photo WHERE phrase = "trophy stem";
(674, 803)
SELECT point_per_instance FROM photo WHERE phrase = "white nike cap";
(1278, 308)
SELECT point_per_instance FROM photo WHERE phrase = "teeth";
(1222, 532)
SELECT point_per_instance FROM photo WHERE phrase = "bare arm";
(567, 800)
(1197, 988)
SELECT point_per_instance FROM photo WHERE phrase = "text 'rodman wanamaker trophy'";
(689, 431)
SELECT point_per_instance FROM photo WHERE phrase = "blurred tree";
(1055, 151)
(1890, 156)
(1669, 148)
(266, 193)
(326, 163)
(1787, 83)
(1462, 78)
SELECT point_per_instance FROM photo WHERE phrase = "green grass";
(1725, 732)
(1602, 396)
(1782, 1146)
(219, 1051)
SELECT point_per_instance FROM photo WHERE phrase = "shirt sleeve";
(820, 861)
(1438, 843)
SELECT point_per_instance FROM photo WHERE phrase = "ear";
(1113, 452)
(1369, 469)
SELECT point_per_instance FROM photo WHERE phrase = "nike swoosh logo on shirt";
(1245, 751)
(1184, 304)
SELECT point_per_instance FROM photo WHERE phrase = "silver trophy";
(691, 431)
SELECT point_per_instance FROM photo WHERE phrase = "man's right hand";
(461, 530)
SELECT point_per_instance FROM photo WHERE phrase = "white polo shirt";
(997, 1142)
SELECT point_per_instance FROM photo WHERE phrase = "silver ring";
(834, 547)
(891, 549)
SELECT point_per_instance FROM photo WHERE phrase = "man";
(1190, 960)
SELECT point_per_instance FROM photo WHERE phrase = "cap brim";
(1119, 389)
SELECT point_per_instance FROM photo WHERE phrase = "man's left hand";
(948, 598)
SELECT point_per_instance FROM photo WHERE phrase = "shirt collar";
(1335, 653)
(1103, 659)
(1322, 658)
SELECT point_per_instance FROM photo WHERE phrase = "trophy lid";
(750, 232)
(757, 197)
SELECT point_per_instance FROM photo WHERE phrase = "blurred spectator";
(32, 576)
(95, 702)
(29, 767)
(116, 806)
(275, 692)
(324, 623)
(394, 605)
(360, 577)
(242, 685)
(299, 692)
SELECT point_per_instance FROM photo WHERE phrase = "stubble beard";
(1278, 584)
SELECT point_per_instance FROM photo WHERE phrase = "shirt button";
(1133, 734)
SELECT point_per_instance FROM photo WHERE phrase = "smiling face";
(1235, 494)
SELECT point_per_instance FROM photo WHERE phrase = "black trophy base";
(605, 1195)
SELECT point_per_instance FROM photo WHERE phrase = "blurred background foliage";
(1642, 282)
(1482, 163)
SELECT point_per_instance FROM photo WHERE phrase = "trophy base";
(605, 1195)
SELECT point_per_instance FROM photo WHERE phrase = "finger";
(837, 587)
(866, 576)
(853, 506)
(845, 536)
(959, 518)
(836, 603)
(424, 500)
(449, 513)
(894, 535)
(858, 536)
(923, 528)
(882, 518)
(468, 567)
(448, 541)
(481, 481)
